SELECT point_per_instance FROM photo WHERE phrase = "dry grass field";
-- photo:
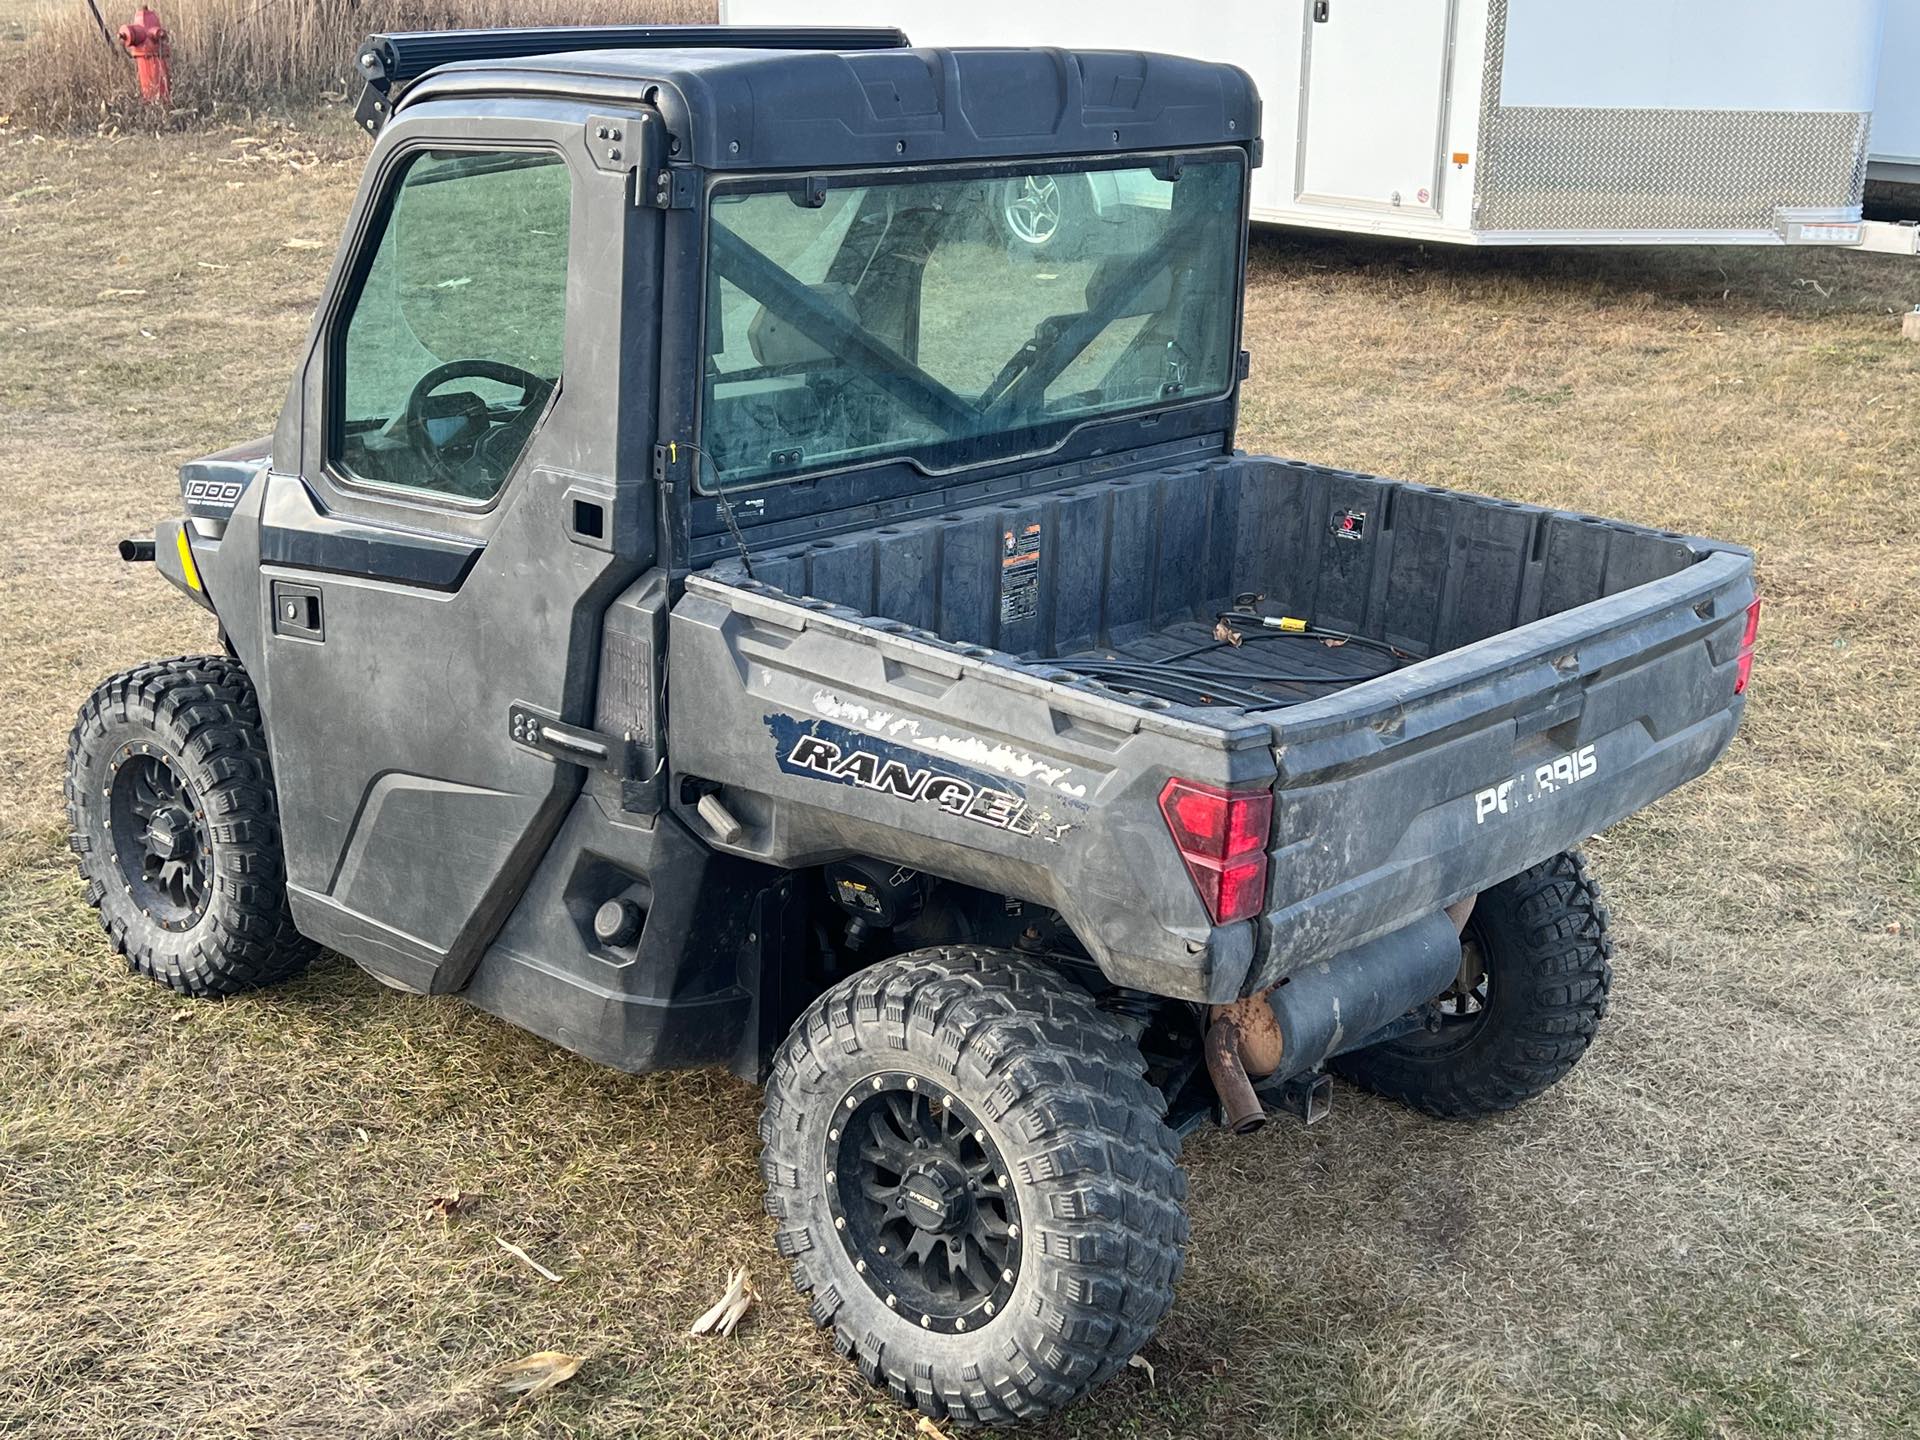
(216, 1219)
(234, 56)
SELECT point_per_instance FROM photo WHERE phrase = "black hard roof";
(738, 109)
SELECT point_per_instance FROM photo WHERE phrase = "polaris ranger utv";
(721, 593)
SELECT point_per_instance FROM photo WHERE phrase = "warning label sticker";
(1020, 574)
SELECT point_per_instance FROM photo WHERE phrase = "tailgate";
(1408, 792)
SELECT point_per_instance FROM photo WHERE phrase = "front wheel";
(171, 811)
(1531, 992)
(974, 1182)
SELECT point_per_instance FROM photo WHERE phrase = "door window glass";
(453, 343)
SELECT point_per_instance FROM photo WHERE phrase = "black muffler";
(1329, 1007)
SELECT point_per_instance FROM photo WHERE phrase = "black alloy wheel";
(923, 1204)
(160, 839)
(974, 1181)
(172, 816)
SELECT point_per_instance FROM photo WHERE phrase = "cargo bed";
(1519, 678)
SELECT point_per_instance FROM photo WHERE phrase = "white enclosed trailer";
(1896, 110)
(1499, 122)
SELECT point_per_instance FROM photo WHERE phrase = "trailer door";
(1374, 102)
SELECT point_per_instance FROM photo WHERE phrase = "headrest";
(776, 342)
(1149, 297)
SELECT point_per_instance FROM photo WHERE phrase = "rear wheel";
(1531, 992)
(974, 1182)
(170, 809)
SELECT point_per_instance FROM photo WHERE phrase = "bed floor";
(1232, 673)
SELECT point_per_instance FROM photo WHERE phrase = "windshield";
(961, 319)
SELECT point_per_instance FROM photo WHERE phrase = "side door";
(1373, 103)
(435, 571)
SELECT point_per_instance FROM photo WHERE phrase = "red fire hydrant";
(147, 40)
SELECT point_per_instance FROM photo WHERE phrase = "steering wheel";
(534, 390)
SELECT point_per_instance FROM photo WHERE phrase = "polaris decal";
(821, 750)
(1556, 774)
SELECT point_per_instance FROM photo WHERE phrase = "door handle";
(589, 515)
(296, 611)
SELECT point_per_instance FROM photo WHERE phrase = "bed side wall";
(1426, 569)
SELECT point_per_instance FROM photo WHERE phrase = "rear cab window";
(961, 319)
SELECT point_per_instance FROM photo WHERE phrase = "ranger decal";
(821, 750)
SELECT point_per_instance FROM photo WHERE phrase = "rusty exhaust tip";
(1241, 1111)
(1256, 1032)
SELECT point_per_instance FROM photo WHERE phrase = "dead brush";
(243, 55)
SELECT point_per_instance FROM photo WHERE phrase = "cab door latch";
(552, 736)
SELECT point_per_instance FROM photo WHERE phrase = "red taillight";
(1744, 671)
(1222, 836)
